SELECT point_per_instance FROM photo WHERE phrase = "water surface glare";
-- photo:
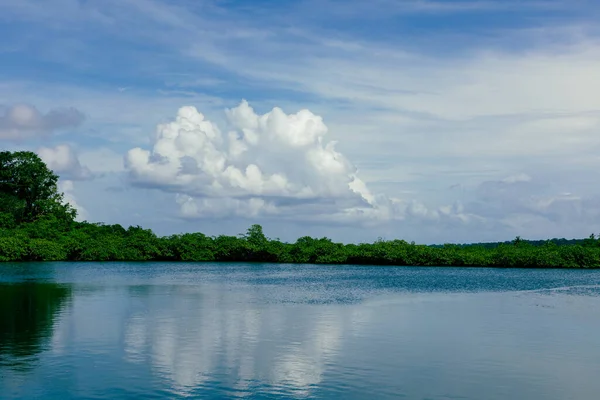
(262, 331)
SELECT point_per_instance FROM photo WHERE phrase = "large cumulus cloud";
(271, 164)
(264, 162)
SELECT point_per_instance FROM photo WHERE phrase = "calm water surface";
(156, 330)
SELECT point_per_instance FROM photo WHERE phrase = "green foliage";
(45, 250)
(48, 239)
(13, 248)
(189, 247)
(28, 189)
(35, 225)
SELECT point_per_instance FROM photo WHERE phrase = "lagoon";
(265, 331)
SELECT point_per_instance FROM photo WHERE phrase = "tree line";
(36, 224)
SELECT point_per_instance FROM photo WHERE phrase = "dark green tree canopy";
(28, 189)
(255, 236)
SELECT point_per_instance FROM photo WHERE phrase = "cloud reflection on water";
(280, 332)
(195, 334)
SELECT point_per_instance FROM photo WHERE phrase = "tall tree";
(255, 236)
(28, 189)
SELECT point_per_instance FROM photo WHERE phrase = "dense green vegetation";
(36, 225)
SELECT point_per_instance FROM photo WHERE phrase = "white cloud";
(266, 161)
(267, 165)
(64, 162)
(223, 207)
(67, 188)
(22, 121)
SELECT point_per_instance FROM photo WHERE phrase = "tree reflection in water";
(27, 314)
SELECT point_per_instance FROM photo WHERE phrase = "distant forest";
(36, 224)
(536, 243)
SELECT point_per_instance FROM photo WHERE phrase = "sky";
(429, 121)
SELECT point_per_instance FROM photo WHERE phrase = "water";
(152, 330)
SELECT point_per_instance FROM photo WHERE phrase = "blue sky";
(433, 121)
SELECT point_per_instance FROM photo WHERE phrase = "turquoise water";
(156, 330)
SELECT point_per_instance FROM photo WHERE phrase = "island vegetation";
(36, 224)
